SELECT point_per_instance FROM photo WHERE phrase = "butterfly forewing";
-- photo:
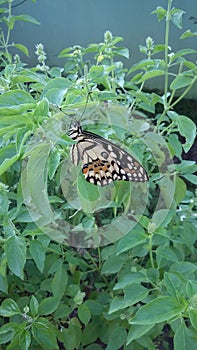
(102, 161)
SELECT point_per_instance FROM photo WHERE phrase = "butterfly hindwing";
(102, 161)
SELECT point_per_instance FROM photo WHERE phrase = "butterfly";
(103, 161)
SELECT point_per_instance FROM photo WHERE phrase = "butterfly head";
(75, 131)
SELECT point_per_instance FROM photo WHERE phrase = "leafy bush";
(130, 281)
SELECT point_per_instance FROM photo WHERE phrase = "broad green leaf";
(9, 308)
(54, 160)
(160, 12)
(187, 128)
(135, 293)
(15, 102)
(48, 306)
(7, 163)
(188, 34)
(137, 331)
(22, 48)
(42, 109)
(176, 17)
(86, 190)
(184, 267)
(84, 313)
(191, 178)
(3, 284)
(130, 278)
(158, 310)
(59, 282)
(37, 252)
(167, 188)
(174, 283)
(151, 74)
(15, 249)
(6, 332)
(34, 305)
(34, 184)
(193, 318)
(116, 305)
(55, 90)
(180, 190)
(184, 338)
(44, 334)
(26, 18)
(117, 338)
(132, 239)
(72, 337)
(91, 332)
(95, 307)
(166, 253)
(181, 81)
(24, 339)
(161, 217)
(112, 265)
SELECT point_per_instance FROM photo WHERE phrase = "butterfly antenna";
(85, 105)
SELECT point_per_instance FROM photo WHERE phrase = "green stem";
(151, 251)
(166, 53)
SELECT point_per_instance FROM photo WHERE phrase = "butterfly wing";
(104, 162)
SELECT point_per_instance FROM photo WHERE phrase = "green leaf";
(187, 128)
(158, 310)
(24, 339)
(184, 338)
(16, 102)
(193, 318)
(37, 252)
(72, 337)
(34, 184)
(151, 74)
(180, 190)
(8, 162)
(3, 284)
(34, 306)
(176, 17)
(54, 160)
(161, 217)
(55, 90)
(22, 48)
(132, 239)
(91, 332)
(15, 249)
(181, 81)
(84, 314)
(112, 265)
(166, 253)
(6, 332)
(59, 282)
(129, 278)
(174, 283)
(117, 338)
(191, 178)
(26, 18)
(132, 294)
(160, 12)
(44, 334)
(42, 109)
(48, 306)
(188, 34)
(9, 308)
(137, 331)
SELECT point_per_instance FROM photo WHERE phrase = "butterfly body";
(103, 161)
